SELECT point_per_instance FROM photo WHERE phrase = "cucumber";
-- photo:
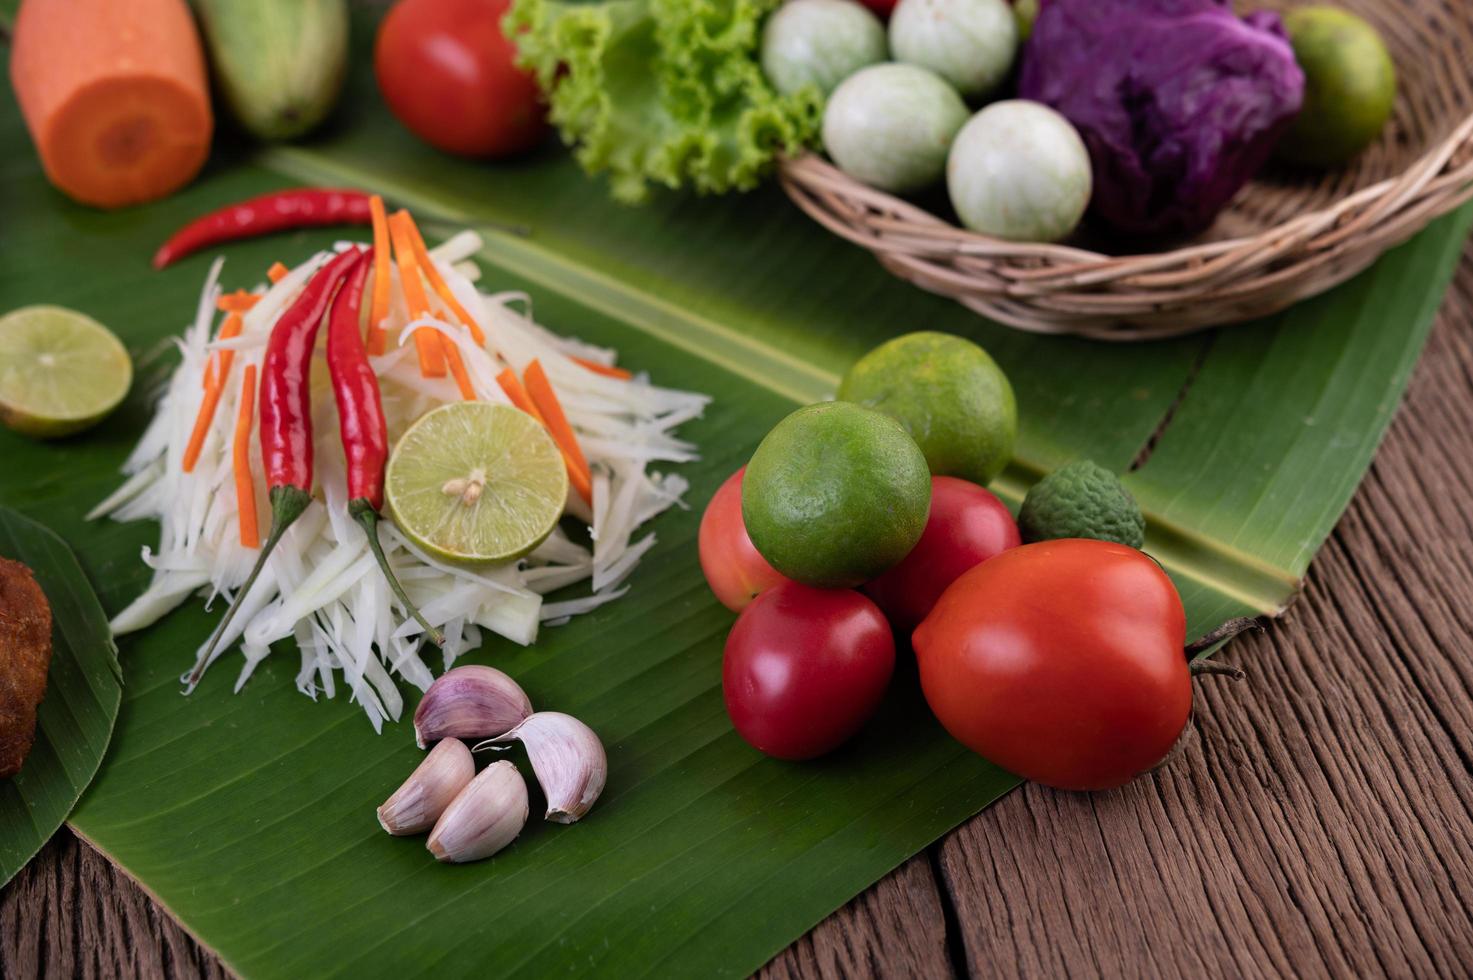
(279, 64)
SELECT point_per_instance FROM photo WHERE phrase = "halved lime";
(476, 482)
(60, 371)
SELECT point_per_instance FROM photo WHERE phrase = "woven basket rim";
(1047, 287)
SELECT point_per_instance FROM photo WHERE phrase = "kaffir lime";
(1082, 500)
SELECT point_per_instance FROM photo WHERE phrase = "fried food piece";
(25, 656)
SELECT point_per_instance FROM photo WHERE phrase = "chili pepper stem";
(287, 504)
(363, 512)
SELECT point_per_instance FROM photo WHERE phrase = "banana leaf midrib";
(1237, 574)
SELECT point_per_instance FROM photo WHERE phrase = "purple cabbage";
(1179, 101)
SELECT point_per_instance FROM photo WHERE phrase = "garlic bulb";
(470, 702)
(485, 817)
(567, 758)
(416, 805)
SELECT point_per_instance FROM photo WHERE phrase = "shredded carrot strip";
(582, 482)
(607, 370)
(426, 342)
(277, 272)
(540, 390)
(457, 370)
(245, 485)
(437, 283)
(239, 301)
(379, 306)
(519, 397)
(215, 374)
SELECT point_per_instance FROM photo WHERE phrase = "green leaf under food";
(663, 91)
(83, 690)
(250, 815)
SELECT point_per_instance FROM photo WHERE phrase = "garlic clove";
(567, 758)
(470, 702)
(485, 817)
(416, 805)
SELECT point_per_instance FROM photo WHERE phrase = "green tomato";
(1018, 170)
(820, 43)
(891, 125)
(970, 43)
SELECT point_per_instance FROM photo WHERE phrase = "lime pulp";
(60, 371)
(476, 482)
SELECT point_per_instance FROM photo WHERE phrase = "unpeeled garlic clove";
(485, 817)
(470, 702)
(416, 805)
(567, 758)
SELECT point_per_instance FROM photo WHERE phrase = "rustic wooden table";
(1321, 825)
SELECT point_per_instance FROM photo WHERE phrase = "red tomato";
(805, 668)
(967, 526)
(881, 7)
(448, 74)
(1061, 661)
(734, 568)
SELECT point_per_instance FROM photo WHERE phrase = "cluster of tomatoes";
(1061, 661)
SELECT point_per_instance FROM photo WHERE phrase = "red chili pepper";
(286, 418)
(309, 207)
(364, 432)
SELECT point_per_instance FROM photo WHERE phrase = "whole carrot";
(362, 427)
(286, 419)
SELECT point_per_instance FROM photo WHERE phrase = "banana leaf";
(250, 815)
(83, 689)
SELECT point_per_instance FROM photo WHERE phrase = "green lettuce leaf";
(663, 91)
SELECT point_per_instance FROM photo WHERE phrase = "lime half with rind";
(60, 371)
(476, 483)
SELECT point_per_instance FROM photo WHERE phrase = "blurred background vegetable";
(114, 96)
(663, 91)
(970, 43)
(892, 125)
(448, 73)
(1179, 101)
(820, 43)
(1019, 171)
(1349, 91)
(279, 64)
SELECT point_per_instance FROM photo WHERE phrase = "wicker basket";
(1282, 240)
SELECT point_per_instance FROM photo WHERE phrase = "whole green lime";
(835, 495)
(949, 394)
(1349, 86)
(1082, 500)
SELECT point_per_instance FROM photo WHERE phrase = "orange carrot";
(214, 383)
(217, 367)
(378, 308)
(508, 380)
(114, 95)
(438, 284)
(540, 390)
(426, 342)
(277, 272)
(581, 481)
(607, 370)
(518, 395)
(457, 370)
(239, 301)
(245, 485)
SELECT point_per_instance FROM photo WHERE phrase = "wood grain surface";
(1321, 824)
